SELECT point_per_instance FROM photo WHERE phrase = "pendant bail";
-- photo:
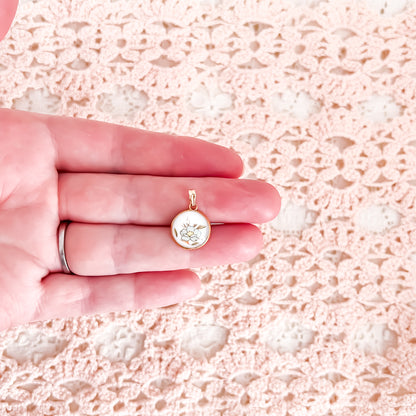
(192, 200)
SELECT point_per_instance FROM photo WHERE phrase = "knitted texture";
(319, 99)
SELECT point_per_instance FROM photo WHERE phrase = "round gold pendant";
(191, 229)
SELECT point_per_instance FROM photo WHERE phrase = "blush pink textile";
(319, 99)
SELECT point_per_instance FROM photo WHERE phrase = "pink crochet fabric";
(319, 99)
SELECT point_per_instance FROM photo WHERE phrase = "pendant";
(190, 228)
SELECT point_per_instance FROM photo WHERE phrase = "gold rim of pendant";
(192, 208)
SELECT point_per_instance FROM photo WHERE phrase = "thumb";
(7, 11)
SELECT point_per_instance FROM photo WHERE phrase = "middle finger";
(155, 200)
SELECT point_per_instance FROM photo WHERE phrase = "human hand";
(121, 187)
(113, 182)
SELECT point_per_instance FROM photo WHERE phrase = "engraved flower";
(190, 233)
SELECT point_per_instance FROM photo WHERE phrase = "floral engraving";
(191, 233)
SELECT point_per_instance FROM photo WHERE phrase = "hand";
(121, 187)
(113, 182)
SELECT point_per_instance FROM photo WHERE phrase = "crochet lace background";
(319, 99)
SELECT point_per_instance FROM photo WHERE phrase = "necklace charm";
(190, 228)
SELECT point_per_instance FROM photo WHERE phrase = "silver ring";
(61, 245)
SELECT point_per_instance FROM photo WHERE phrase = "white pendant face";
(190, 229)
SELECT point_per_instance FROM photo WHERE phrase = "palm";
(120, 187)
(28, 219)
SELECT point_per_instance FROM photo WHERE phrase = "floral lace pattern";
(319, 98)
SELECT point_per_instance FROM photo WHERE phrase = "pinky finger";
(67, 295)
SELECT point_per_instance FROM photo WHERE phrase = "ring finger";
(109, 249)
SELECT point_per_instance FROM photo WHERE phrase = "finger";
(155, 200)
(7, 12)
(67, 296)
(92, 146)
(108, 249)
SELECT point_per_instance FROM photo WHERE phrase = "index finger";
(96, 147)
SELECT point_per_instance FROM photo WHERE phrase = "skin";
(121, 187)
(7, 11)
